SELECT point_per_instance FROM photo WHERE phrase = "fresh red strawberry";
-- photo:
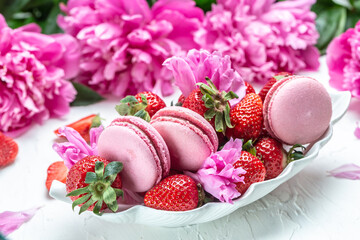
(154, 102)
(83, 126)
(212, 104)
(174, 193)
(272, 154)
(90, 180)
(143, 105)
(246, 117)
(181, 100)
(8, 150)
(56, 171)
(271, 82)
(249, 88)
(194, 102)
(255, 170)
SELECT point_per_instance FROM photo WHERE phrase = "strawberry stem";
(130, 106)
(218, 104)
(99, 189)
(294, 154)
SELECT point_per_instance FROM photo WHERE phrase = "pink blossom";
(348, 171)
(10, 221)
(343, 60)
(76, 148)
(33, 72)
(199, 64)
(124, 43)
(262, 37)
(218, 175)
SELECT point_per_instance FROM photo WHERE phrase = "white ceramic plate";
(211, 211)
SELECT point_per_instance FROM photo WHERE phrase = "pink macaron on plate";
(139, 214)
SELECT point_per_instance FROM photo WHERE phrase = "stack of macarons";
(145, 149)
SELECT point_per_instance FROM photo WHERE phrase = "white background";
(311, 205)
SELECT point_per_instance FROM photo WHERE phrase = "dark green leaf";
(113, 168)
(86, 205)
(110, 199)
(143, 114)
(99, 169)
(209, 114)
(85, 96)
(79, 191)
(80, 200)
(205, 4)
(97, 207)
(330, 23)
(90, 177)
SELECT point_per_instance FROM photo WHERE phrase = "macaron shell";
(128, 143)
(297, 110)
(189, 137)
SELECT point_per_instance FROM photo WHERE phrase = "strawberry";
(56, 171)
(143, 105)
(174, 193)
(271, 82)
(249, 88)
(181, 100)
(93, 183)
(246, 117)
(212, 104)
(83, 126)
(272, 154)
(8, 150)
(154, 102)
(255, 170)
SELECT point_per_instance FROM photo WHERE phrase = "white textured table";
(309, 206)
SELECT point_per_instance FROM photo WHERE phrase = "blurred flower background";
(118, 47)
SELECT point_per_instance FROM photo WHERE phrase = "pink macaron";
(297, 110)
(140, 148)
(189, 137)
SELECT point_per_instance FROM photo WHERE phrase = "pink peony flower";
(218, 175)
(124, 43)
(198, 65)
(262, 37)
(77, 148)
(33, 72)
(10, 221)
(343, 60)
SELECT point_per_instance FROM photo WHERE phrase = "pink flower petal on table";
(348, 171)
(357, 131)
(10, 221)
(218, 175)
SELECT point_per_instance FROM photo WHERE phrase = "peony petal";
(10, 221)
(348, 171)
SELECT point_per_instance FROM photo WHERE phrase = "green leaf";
(123, 109)
(51, 23)
(113, 168)
(227, 116)
(99, 169)
(143, 99)
(85, 96)
(110, 199)
(219, 125)
(330, 23)
(119, 192)
(80, 200)
(209, 114)
(205, 5)
(78, 192)
(97, 207)
(143, 114)
(129, 99)
(86, 205)
(90, 177)
(230, 95)
(96, 122)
